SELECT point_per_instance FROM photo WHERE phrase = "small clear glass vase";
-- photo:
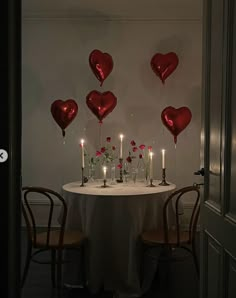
(113, 172)
(91, 173)
(141, 171)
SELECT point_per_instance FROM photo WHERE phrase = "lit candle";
(163, 159)
(121, 145)
(82, 152)
(151, 167)
(104, 172)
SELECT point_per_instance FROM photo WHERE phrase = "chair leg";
(195, 258)
(27, 263)
(53, 267)
(59, 268)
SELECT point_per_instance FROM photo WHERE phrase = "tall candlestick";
(104, 172)
(163, 158)
(121, 146)
(82, 152)
(151, 167)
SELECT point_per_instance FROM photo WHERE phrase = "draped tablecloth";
(113, 219)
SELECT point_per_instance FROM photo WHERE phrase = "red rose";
(140, 156)
(135, 149)
(142, 147)
(129, 159)
(103, 149)
(113, 147)
(119, 166)
(108, 139)
(98, 153)
(133, 143)
(150, 148)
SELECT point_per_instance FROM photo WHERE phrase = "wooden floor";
(183, 282)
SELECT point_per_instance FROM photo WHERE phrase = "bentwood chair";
(171, 237)
(54, 240)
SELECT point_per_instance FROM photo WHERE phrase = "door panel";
(231, 289)
(232, 204)
(214, 259)
(218, 205)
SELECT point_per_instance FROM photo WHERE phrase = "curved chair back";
(30, 216)
(189, 192)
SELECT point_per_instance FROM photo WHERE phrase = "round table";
(113, 219)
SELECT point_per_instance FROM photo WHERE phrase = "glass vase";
(113, 173)
(141, 171)
(91, 173)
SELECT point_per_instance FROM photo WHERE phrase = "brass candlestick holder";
(82, 184)
(120, 180)
(104, 183)
(163, 182)
(151, 184)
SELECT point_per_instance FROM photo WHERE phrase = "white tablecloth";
(113, 219)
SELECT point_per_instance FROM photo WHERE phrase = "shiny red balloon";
(64, 112)
(101, 64)
(164, 64)
(101, 104)
(176, 120)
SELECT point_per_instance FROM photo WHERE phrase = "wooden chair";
(173, 237)
(55, 240)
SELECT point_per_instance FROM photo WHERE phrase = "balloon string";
(100, 134)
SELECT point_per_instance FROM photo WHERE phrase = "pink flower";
(140, 156)
(108, 139)
(135, 149)
(133, 143)
(103, 149)
(142, 147)
(98, 153)
(150, 148)
(129, 159)
(119, 166)
(113, 147)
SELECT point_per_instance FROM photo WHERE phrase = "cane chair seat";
(158, 237)
(70, 239)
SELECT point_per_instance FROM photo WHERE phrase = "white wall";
(55, 66)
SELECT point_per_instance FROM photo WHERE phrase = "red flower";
(140, 156)
(98, 153)
(119, 166)
(133, 143)
(113, 147)
(150, 148)
(108, 139)
(135, 149)
(103, 149)
(129, 159)
(142, 147)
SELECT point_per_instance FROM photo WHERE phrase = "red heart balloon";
(101, 64)
(64, 112)
(176, 120)
(101, 104)
(164, 64)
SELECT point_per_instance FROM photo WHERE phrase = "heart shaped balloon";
(64, 112)
(164, 64)
(101, 104)
(101, 64)
(176, 120)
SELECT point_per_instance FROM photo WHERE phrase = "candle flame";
(121, 137)
(82, 142)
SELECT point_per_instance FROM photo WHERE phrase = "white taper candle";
(104, 172)
(151, 165)
(163, 159)
(121, 146)
(82, 152)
